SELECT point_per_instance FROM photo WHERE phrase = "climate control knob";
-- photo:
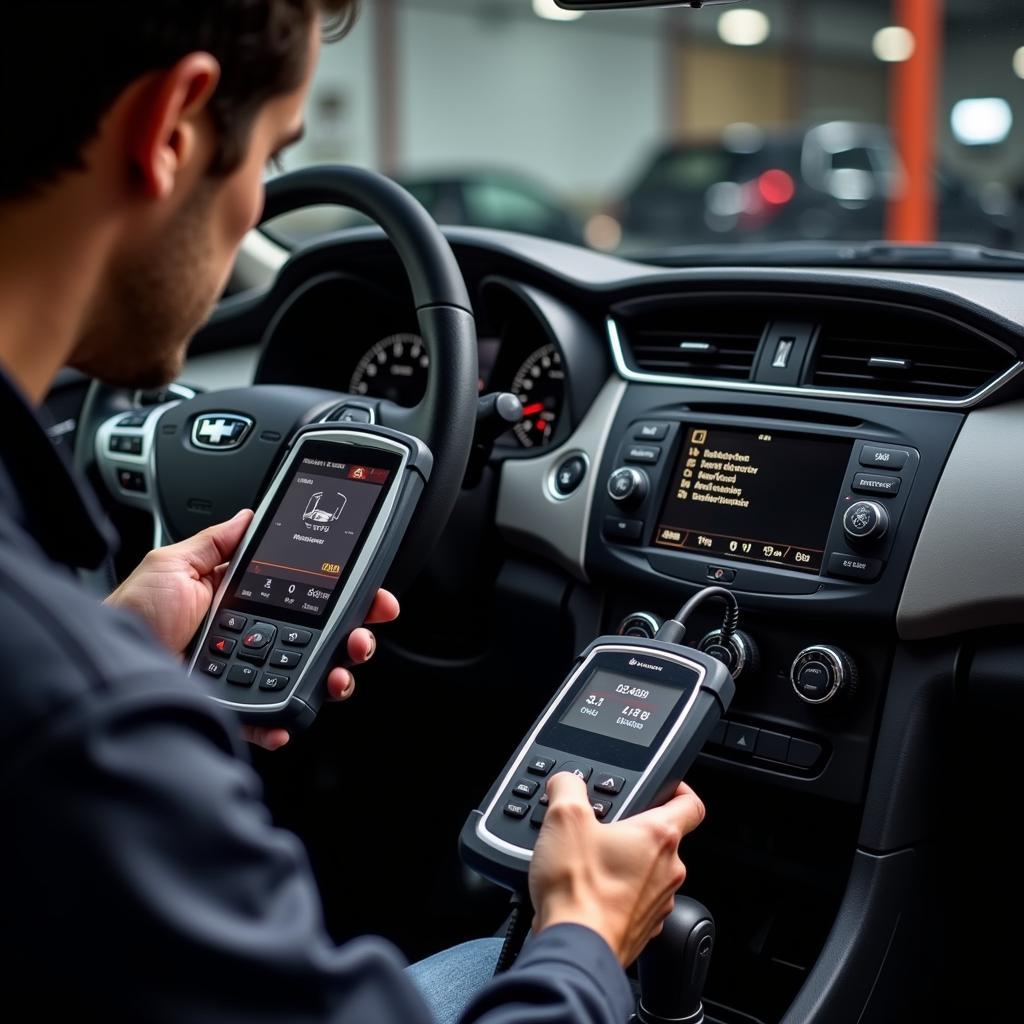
(738, 654)
(641, 624)
(866, 521)
(822, 673)
(628, 486)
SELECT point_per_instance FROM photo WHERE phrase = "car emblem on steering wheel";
(220, 431)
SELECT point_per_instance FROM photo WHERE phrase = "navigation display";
(314, 532)
(756, 496)
(622, 708)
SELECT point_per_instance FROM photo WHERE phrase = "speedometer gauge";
(540, 385)
(395, 369)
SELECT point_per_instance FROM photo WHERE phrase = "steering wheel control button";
(354, 414)
(581, 771)
(720, 574)
(296, 637)
(285, 659)
(231, 622)
(623, 531)
(628, 486)
(525, 788)
(877, 483)
(221, 646)
(651, 431)
(242, 675)
(569, 475)
(883, 458)
(126, 444)
(214, 668)
(741, 738)
(516, 809)
(602, 808)
(820, 673)
(803, 753)
(131, 480)
(866, 521)
(134, 420)
(611, 784)
(854, 567)
(772, 746)
(540, 765)
(275, 682)
(643, 453)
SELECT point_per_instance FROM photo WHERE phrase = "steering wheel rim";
(444, 419)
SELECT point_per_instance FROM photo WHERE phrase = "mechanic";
(143, 877)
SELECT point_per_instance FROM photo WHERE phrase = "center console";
(809, 511)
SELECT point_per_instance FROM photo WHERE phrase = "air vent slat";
(927, 357)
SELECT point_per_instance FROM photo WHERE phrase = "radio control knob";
(641, 624)
(739, 654)
(822, 673)
(866, 521)
(628, 486)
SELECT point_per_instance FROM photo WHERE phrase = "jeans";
(449, 980)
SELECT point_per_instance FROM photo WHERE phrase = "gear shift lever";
(674, 966)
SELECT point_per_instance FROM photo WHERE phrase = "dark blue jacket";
(142, 877)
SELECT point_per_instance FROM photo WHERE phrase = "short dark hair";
(63, 63)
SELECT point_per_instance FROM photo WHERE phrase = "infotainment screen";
(756, 496)
(314, 532)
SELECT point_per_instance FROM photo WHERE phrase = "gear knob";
(674, 966)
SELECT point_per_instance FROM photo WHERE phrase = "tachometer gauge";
(540, 385)
(395, 369)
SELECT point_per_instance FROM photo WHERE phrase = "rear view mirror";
(614, 5)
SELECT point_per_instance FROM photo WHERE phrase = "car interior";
(833, 433)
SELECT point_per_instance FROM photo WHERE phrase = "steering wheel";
(195, 460)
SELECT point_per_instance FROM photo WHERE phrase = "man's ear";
(167, 129)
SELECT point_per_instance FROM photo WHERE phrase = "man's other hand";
(618, 879)
(173, 587)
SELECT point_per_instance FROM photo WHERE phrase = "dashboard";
(842, 448)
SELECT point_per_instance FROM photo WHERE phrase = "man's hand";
(173, 587)
(617, 879)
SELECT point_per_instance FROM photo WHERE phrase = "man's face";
(164, 285)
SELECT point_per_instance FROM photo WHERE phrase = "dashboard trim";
(628, 373)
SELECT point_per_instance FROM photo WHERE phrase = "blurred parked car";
(485, 199)
(831, 181)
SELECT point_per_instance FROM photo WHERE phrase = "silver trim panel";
(527, 510)
(366, 554)
(628, 373)
(521, 853)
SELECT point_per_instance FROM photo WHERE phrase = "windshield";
(646, 133)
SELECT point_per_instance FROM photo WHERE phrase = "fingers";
(682, 814)
(340, 684)
(385, 608)
(268, 739)
(361, 645)
(566, 788)
(216, 544)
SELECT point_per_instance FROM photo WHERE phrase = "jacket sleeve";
(148, 883)
(566, 975)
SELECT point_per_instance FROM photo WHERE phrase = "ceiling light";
(1018, 62)
(893, 44)
(744, 27)
(550, 10)
(981, 122)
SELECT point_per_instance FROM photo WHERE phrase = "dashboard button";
(814, 679)
(854, 567)
(231, 622)
(803, 753)
(242, 675)
(772, 745)
(883, 458)
(354, 414)
(569, 475)
(741, 737)
(645, 453)
(625, 531)
(877, 483)
(720, 574)
(540, 765)
(865, 521)
(525, 788)
(516, 809)
(651, 431)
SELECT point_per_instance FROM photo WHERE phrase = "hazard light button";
(741, 737)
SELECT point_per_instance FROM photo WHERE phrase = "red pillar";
(913, 115)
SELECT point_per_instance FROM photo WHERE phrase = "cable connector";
(674, 630)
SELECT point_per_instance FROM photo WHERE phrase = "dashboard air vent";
(705, 343)
(906, 355)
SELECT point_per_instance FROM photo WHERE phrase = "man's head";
(155, 120)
